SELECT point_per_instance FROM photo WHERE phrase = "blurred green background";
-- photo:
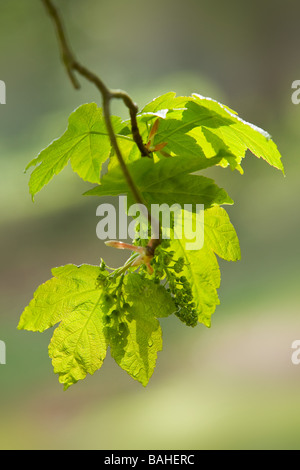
(233, 386)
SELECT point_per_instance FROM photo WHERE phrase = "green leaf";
(75, 298)
(201, 266)
(220, 234)
(78, 346)
(85, 144)
(166, 182)
(136, 349)
(234, 131)
(72, 297)
(57, 298)
(188, 189)
(201, 126)
(164, 102)
(194, 128)
(202, 271)
(96, 310)
(147, 297)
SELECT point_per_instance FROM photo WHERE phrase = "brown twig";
(72, 65)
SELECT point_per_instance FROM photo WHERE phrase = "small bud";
(102, 265)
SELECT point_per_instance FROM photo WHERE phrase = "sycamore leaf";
(193, 128)
(136, 348)
(164, 102)
(166, 182)
(85, 144)
(198, 125)
(257, 140)
(95, 310)
(72, 297)
(201, 266)
(189, 189)
(220, 234)
(78, 347)
(57, 298)
(149, 297)
(202, 271)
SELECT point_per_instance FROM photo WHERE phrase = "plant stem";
(72, 66)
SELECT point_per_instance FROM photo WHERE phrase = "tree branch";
(72, 65)
(66, 54)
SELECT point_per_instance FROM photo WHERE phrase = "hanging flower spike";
(145, 254)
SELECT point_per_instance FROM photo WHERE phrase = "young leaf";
(164, 102)
(135, 350)
(85, 143)
(202, 271)
(78, 346)
(70, 287)
(151, 298)
(93, 309)
(220, 234)
(75, 298)
(135, 346)
(138, 353)
(257, 140)
(201, 267)
(72, 297)
(198, 125)
(166, 182)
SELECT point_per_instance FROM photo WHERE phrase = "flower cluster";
(170, 269)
